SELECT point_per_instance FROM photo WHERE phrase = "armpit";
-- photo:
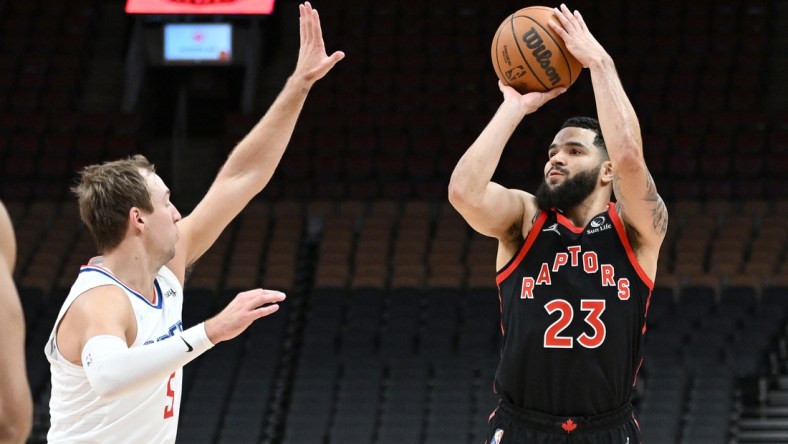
(632, 234)
(515, 235)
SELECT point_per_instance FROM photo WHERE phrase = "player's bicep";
(639, 202)
(99, 311)
(497, 212)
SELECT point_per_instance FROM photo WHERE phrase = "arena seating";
(380, 309)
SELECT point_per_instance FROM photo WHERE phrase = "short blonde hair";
(107, 192)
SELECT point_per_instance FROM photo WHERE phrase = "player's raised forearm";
(257, 155)
(637, 198)
(617, 117)
(477, 166)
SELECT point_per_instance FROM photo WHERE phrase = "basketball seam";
(517, 43)
(498, 55)
(566, 60)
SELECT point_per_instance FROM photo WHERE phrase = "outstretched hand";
(531, 101)
(239, 314)
(313, 62)
(576, 36)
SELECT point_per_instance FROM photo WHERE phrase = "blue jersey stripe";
(155, 284)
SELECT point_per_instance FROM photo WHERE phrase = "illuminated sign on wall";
(199, 6)
(211, 42)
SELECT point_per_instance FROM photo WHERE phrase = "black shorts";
(511, 425)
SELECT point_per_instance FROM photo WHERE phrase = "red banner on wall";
(199, 6)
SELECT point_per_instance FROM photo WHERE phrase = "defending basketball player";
(575, 271)
(118, 346)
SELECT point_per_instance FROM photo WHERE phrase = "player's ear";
(606, 172)
(136, 218)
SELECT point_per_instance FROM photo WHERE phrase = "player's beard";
(569, 194)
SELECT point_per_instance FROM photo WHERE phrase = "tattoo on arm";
(659, 213)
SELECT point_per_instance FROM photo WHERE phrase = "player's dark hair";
(589, 123)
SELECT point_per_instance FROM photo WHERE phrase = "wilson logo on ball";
(535, 43)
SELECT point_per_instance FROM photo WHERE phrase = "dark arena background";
(390, 333)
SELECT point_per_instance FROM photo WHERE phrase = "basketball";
(528, 56)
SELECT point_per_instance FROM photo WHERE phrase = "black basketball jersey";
(573, 312)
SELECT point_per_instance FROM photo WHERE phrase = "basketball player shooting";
(118, 346)
(575, 271)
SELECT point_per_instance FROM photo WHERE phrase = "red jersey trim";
(529, 240)
(500, 310)
(622, 234)
(563, 220)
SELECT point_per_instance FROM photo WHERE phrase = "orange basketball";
(528, 56)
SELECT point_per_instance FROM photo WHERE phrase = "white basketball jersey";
(150, 415)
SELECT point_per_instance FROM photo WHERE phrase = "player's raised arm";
(639, 204)
(253, 161)
(488, 207)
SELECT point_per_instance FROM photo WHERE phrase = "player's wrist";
(514, 108)
(600, 61)
(299, 81)
(211, 331)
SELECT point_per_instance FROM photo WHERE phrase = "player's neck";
(134, 267)
(581, 214)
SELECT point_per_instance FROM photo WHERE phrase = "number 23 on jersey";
(594, 308)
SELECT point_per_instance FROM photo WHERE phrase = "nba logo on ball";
(515, 73)
(497, 437)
